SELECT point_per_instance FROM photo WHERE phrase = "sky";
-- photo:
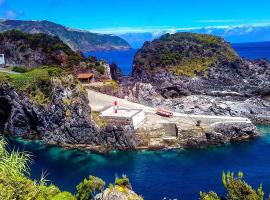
(112, 16)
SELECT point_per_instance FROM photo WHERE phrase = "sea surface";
(179, 174)
(124, 59)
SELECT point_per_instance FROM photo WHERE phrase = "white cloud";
(10, 14)
(158, 31)
(219, 20)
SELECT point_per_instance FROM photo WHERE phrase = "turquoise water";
(156, 174)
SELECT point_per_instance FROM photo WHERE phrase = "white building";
(2, 59)
(135, 116)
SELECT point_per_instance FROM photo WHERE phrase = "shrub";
(35, 83)
(237, 189)
(88, 188)
(123, 181)
(99, 121)
(100, 69)
(15, 182)
(20, 69)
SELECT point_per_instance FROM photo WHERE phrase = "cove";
(180, 174)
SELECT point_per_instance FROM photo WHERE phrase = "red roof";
(85, 76)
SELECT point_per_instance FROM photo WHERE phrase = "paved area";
(98, 101)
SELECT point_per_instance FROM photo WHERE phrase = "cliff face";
(199, 74)
(186, 63)
(33, 50)
(54, 108)
(76, 39)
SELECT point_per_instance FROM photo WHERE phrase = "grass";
(36, 83)
(185, 54)
(15, 182)
(99, 121)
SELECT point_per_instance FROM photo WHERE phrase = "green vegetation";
(111, 84)
(49, 45)
(15, 182)
(99, 121)
(123, 181)
(20, 69)
(93, 63)
(187, 54)
(35, 83)
(237, 189)
(88, 188)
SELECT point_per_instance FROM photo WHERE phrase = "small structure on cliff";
(85, 78)
(2, 60)
(124, 116)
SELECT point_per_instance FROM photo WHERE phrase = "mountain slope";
(76, 39)
(33, 50)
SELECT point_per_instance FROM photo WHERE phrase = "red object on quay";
(115, 106)
(164, 113)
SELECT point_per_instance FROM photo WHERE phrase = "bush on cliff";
(20, 69)
(88, 188)
(36, 83)
(237, 189)
(15, 182)
(50, 49)
(187, 54)
(123, 181)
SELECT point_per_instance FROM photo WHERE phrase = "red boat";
(164, 113)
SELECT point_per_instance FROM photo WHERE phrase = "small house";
(85, 78)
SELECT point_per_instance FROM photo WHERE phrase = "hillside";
(186, 54)
(32, 50)
(190, 63)
(76, 39)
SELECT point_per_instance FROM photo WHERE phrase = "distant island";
(76, 39)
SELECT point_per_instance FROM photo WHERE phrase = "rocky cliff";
(187, 63)
(32, 50)
(199, 74)
(76, 39)
(48, 104)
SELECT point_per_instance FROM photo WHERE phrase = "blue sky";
(139, 15)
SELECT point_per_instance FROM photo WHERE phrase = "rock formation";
(33, 50)
(63, 119)
(199, 74)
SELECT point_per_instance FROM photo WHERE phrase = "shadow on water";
(5, 109)
(155, 174)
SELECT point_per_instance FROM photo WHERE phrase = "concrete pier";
(157, 131)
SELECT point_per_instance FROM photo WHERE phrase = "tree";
(237, 189)
(88, 188)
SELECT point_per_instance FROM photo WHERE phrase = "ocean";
(174, 174)
(124, 59)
